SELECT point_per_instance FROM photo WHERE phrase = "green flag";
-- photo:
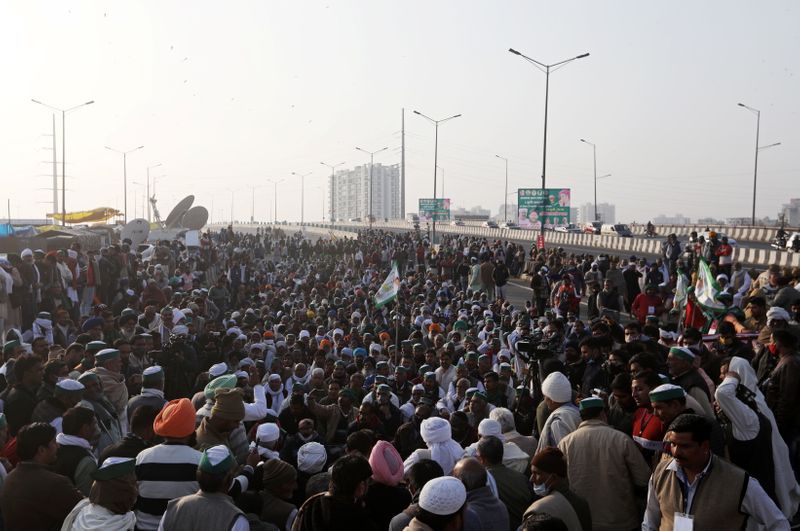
(706, 289)
(388, 290)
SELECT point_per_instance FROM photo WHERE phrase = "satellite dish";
(174, 218)
(195, 218)
(136, 231)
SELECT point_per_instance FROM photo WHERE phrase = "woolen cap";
(551, 461)
(228, 404)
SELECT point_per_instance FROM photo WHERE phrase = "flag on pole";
(388, 290)
(706, 289)
(681, 291)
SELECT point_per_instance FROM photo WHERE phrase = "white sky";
(228, 94)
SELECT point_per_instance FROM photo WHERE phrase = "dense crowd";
(255, 382)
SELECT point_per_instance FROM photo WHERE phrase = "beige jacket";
(604, 466)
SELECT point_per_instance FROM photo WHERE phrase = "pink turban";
(386, 463)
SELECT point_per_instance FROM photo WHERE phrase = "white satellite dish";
(195, 218)
(174, 219)
(136, 231)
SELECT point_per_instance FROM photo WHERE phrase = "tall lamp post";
(505, 195)
(371, 159)
(63, 153)
(333, 189)
(435, 158)
(125, 176)
(275, 213)
(302, 195)
(441, 170)
(148, 188)
(546, 69)
(755, 169)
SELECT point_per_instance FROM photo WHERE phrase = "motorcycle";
(650, 233)
(779, 243)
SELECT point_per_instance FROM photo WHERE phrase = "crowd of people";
(253, 382)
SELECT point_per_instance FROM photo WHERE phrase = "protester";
(483, 509)
(340, 405)
(110, 502)
(554, 497)
(728, 498)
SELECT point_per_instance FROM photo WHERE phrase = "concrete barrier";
(591, 242)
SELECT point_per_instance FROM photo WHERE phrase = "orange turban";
(176, 420)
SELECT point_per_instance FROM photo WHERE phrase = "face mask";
(540, 489)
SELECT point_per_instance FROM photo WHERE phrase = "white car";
(571, 229)
(509, 225)
(457, 223)
(489, 224)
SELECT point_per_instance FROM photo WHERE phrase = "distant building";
(791, 212)
(350, 194)
(607, 213)
(574, 213)
(475, 213)
(677, 219)
(708, 221)
(511, 215)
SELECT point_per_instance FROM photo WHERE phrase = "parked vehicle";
(489, 224)
(509, 225)
(355, 220)
(457, 223)
(412, 218)
(571, 229)
(592, 227)
(618, 229)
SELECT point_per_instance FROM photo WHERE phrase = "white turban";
(437, 435)
(777, 313)
(311, 458)
(25, 253)
(490, 428)
(218, 369)
(557, 388)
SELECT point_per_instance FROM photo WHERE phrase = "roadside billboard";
(430, 209)
(549, 206)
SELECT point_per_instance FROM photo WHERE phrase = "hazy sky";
(228, 94)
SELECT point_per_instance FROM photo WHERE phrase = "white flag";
(681, 287)
(388, 290)
(706, 289)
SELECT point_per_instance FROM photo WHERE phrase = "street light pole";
(333, 189)
(63, 154)
(148, 188)
(125, 176)
(435, 159)
(594, 157)
(505, 195)
(275, 212)
(371, 160)
(755, 168)
(546, 69)
(302, 195)
(442, 170)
